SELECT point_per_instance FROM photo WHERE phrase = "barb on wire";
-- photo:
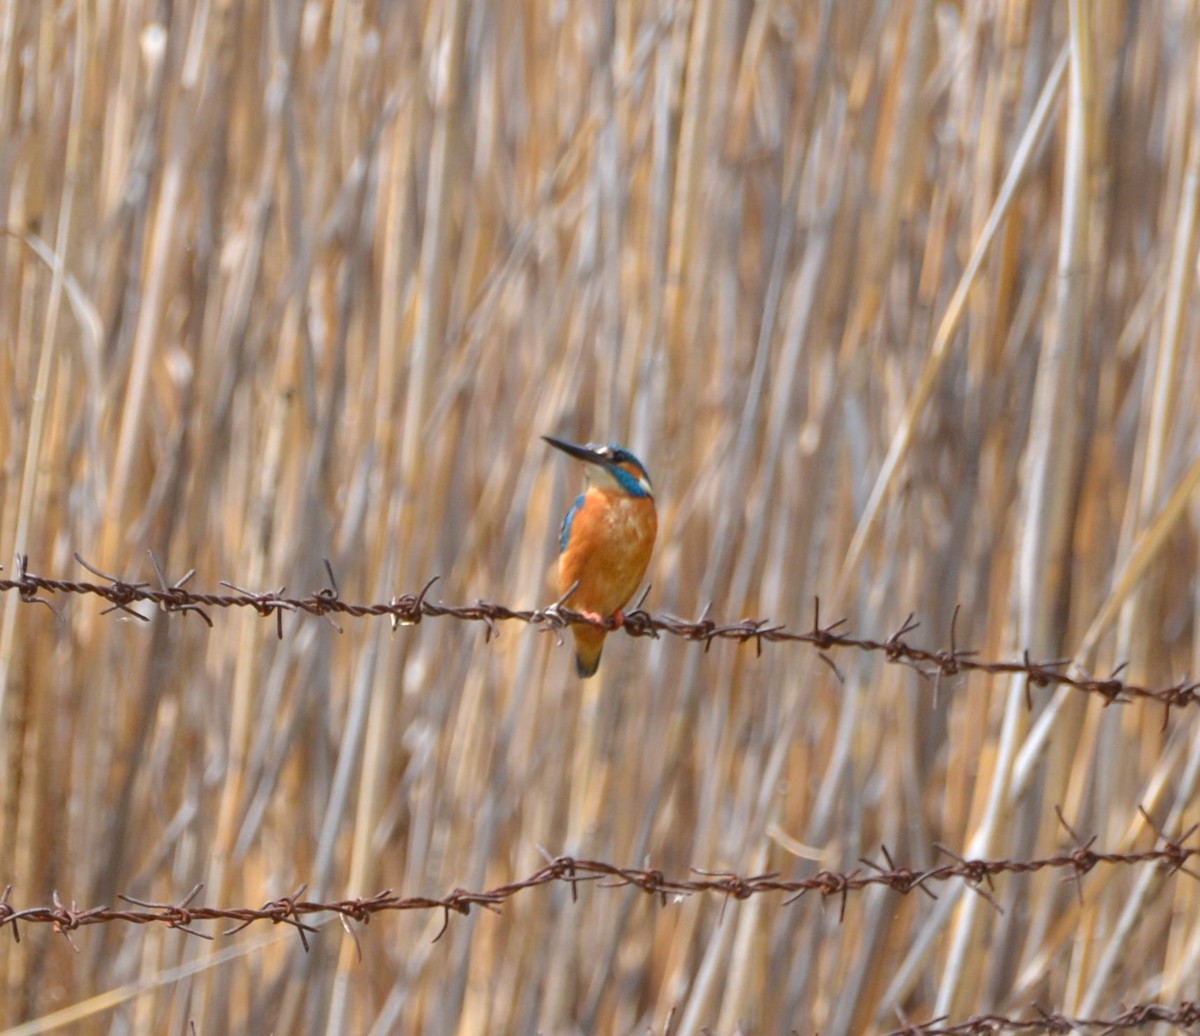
(411, 609)
(1170, 853)
(1185, 1016)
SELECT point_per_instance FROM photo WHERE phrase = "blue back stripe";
(565, 535)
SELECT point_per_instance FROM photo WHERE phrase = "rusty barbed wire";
(1187, 1014)
(411, 609)
(1169, 853)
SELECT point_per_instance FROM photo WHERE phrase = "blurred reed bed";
(896, 301)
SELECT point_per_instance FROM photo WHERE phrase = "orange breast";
(612, 538)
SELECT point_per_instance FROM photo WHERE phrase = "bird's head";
(609, 467)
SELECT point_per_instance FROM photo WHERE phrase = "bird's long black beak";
(587, 454)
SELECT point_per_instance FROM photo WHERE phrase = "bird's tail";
(589, 643)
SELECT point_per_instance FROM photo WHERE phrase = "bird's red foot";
(616, 621)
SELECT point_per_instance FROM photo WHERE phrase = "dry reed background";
(289, 281)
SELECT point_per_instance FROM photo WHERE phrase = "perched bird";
(606, 541)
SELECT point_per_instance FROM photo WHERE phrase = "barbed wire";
(411, 609)
(1170, 853)
(1187, 1014)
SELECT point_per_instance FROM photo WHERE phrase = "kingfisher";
(605, 543)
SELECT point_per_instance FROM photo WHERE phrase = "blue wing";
(564, 535)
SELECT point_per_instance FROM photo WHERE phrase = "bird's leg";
(615, 621)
